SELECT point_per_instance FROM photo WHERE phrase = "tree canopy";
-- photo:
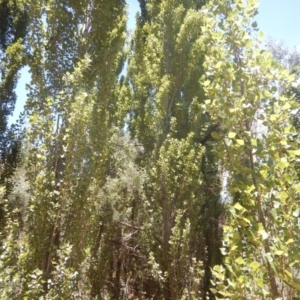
(161, 165)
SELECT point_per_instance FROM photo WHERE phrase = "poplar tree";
(13, 29)
(257, 147)
(165, 115)
(75, 52)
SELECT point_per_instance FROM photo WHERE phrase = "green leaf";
(289, 178)
(206, 83)
(283, 196)
(240, 260)
(259, 282)
(219, 65)
(215, 135)
(240, 142)
(238, 206)
(288, 274)
(264, 173)
(254, 142)
(290, 241)
(283, 164)
(231, 135)
(260, 35)
(247, 220)
(297, 188)
(254, 266)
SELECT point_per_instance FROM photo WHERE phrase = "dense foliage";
(175, 177)
(13, 30)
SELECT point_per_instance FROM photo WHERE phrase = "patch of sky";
(21, 92)
(280, 19)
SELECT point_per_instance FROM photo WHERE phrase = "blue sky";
(281, 20)
(277, 18)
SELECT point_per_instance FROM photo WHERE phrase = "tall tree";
(164, 108)
(74, 57)
(13, 29)
(257, 148)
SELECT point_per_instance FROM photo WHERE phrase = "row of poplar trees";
(161, 164)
